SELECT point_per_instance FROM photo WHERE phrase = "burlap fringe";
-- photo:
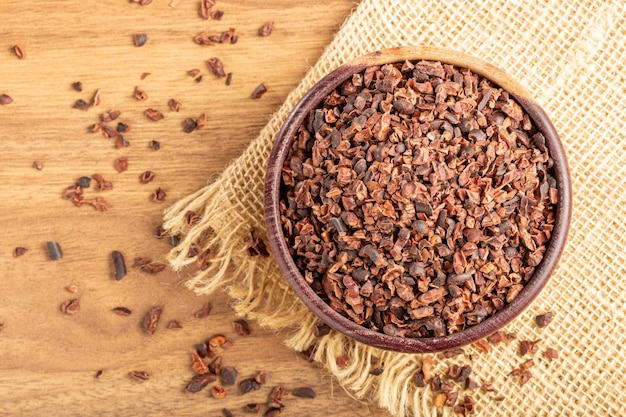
(259, 296)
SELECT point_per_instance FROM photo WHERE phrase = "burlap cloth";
(570, 56)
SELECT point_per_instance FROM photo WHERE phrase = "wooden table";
(49, 359)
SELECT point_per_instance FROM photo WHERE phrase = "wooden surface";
(49, 360)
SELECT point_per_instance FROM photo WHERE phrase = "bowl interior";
(344, 325)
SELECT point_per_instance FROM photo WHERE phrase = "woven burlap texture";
(570, 56)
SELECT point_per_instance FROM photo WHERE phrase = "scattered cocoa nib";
(122, 127)
(229, 78)
(528, 346)
(227, 413)
(378, 371)
(101, 183)
(77, 86)
(140, 39)
(303, 392)
(205, 8)
(543, 320)
(193, 73)
(228, 375)
(427, 366)
(139, 376)
(321, 329)
(122, 311)
(217, 14)
(418, 379)
(257, 246)
(551, 353)
(199, 382)
(482, 345)
(204, 311)
(146, 177)
(406, 209)
(98, 374)
(72, 288)
(189, 125)
(205, 38)
(151, 320)
(201, 121)
(499, 398)
(71, 307)
(497, 337)
(119, 265)
(81, 104)
(174, 325)
(272, 412)
(275, 399)
(247, 385)
(241, 327)
(144, 75)
(524, 375)
(19, 251)
(216, 66)
(217, 340)
(252, 408)
(259, 91)
(38, 165)
(440, 399)
(451, 353)
(121, 164)
(148, 266)
(262, 377)
(140, 94)
(95, 100)
(54, 251)
(214, 367)
(19, 52)
(5, 99)
(110, 115)
(155, 145)
(121, 142)
(141, 2)
(266, 29)
(198, 364)
(153, 114)
(342, 361)
(158, 196)
(174, 105)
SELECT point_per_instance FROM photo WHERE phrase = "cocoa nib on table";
(418, 198)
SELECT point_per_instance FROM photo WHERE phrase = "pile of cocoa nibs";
(418, 199)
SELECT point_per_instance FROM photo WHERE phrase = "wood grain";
(49, 359)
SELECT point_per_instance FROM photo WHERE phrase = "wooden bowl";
(344, 325)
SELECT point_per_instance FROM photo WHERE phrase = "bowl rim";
(348, 327)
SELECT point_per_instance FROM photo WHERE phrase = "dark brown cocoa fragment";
(174, 105)
(275, 399)
(77, 86)
(528, 346)
(204, 311)
(199, 382)
(228, 375)
(216, 66)
(5, 99)
(79, 104)
(252, 408)
(155, 145)
(122, 311)
(241, 327)
(227, 413)
(19, 251)
(543, 320)
(247, 385)
(54, 251)
(146, 177)
(303, 392)
(189, 125)
(259, 91)
(119, 265)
